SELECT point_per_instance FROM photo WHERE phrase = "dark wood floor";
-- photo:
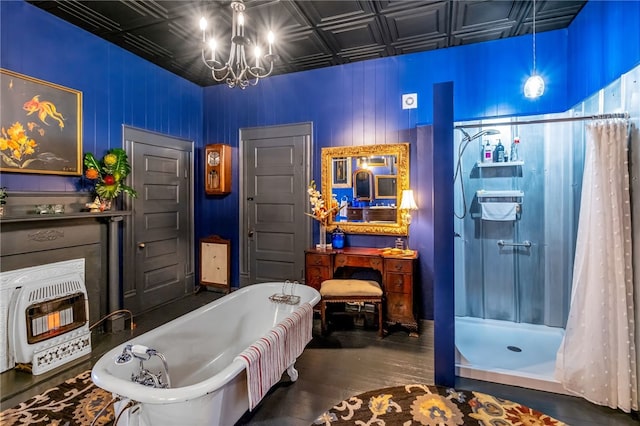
(347, 362)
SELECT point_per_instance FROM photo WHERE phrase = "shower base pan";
(509, 353)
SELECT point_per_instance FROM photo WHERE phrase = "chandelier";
(237, 71)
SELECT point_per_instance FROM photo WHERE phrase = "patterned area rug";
(75, 402)
(431, 406)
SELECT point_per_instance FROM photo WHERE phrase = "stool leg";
(323, 317)
(380, 330)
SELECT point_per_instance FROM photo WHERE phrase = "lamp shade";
(408, 203)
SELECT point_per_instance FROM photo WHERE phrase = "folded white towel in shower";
(499, 211)
(267, 358)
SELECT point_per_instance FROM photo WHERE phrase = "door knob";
(141, 245)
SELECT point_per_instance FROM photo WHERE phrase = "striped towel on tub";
(267, 358)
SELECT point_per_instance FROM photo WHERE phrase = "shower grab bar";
(503, 243)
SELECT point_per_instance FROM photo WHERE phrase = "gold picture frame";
(41, 126)
(386, 187)
(341, 172)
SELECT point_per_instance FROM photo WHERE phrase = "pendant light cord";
(534, 37)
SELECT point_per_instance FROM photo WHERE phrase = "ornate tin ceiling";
(310, 34)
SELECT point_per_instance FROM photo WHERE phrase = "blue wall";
(351, 104)
(117, 87)
(360, 103)
(603, 43)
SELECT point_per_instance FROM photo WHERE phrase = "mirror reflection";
(365, 181)
(362, 185)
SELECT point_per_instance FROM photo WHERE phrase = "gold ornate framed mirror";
(367, 181)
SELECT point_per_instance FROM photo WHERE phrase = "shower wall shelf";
(503, 164)
(483, 193)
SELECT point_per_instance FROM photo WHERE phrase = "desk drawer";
(398, 265)
(374, 262)
(398, 283)
(315, 275)
(399, 308)
(318, 260)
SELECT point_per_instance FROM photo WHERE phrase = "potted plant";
(109, 175)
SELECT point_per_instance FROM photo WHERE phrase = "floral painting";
(40, 126)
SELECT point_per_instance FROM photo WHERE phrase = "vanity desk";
(396, 273)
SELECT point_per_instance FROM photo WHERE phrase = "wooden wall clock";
(217, 169)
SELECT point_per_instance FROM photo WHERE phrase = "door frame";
(243, 241)
(129, 243)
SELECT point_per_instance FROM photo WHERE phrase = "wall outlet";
(410, 101)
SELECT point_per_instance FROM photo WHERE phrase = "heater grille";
(53, 291)
(45, 320)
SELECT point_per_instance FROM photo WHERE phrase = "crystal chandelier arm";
(255, 71)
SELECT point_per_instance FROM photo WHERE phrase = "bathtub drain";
(514, 348)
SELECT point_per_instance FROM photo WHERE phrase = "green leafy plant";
(109, 173)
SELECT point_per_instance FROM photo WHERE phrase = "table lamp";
(407, 204)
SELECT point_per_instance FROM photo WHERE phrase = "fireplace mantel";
(29, 239)
(63, 216)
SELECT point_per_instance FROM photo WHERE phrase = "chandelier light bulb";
(257, 51)
(212, 46)
(271, 38)
(534, 87)
(241, 19)
(203, 27)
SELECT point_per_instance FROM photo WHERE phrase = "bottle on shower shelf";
(515, 155)
(487, 153)
(498, 155)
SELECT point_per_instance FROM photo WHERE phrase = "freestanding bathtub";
(208, 386)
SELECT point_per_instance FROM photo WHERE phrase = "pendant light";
(534, 87)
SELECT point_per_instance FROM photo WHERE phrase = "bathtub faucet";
(144, 376)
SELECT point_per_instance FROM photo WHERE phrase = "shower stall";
(515, 232)
(516, 226)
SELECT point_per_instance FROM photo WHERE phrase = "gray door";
(159, 235)
(274, 232)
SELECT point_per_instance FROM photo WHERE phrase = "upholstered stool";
(350, 291)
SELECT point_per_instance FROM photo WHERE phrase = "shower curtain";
(597, 358)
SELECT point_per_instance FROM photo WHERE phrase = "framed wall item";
(372, 161)
(386, 186)
(215, 267)
(41, 126)
(341, 172)
(217, 169)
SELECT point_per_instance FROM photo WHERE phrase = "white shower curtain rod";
(547, 120)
